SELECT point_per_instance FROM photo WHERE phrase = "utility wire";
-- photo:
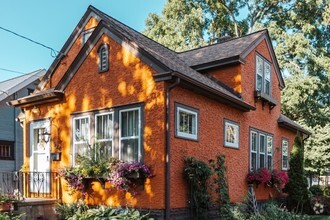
(53, 52)
(13, 71)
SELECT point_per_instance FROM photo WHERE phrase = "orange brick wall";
(127, 81)
(229, 75)
(211, 119)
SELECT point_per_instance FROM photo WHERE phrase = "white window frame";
(235, 127)
(111, 131)
(74, 142)
(264, 79)
(254, 151)
(286, 167)
(194, 135)
(258, 152)
(262, 152)
(130, 137)
(269, 151)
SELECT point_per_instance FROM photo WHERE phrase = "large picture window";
(231, 134)
(186, 122)
(285, 154)
(261, 150)
(263, 75)
(99, 129)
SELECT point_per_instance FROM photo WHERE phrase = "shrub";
(316, 190)
(297, 185)
(198, 174)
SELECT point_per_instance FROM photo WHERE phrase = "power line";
(53, 52)
(13, 71)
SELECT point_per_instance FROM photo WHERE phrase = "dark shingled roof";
(286, 122)
(220, 51)
(166, 56)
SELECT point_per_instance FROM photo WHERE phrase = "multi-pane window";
(186, 122)
(6, 150)
(115, 133)
(81, 135)
(104, 133)
(103, 58)
(231, 134)
(129, 121)
(263, 75)
(285, 154)
(261, 150)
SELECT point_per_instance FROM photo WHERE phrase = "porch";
(31, 184)
(33, 193)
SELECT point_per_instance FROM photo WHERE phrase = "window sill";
(258, 95)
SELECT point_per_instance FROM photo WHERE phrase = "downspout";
(168, 150)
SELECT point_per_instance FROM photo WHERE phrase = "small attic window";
(103, 52)
(86, 34)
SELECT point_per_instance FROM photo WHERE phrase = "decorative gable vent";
(103, 52)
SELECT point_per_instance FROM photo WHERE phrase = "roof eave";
(38, 99)
(293, 127)
(215, 94)
(227, 61)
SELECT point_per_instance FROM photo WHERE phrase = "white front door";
(40, 157)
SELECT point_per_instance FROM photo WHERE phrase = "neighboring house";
(11, 132)
(161, 106)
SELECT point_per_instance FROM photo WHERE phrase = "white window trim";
(236, 129)
(112, 130)
(131, 137)
(287, 154)
(74, 142)
(184, 134)
(271, 153)
(263, 83)
(253, 151)
(266, 135)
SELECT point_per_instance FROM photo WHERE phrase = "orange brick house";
(162, 107)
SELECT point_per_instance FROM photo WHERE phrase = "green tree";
(297, 185)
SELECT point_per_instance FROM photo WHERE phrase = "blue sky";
(51, 23)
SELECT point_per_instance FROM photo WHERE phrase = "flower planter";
(134, 175)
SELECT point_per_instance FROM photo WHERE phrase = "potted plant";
(7, 201)
(279, 179)
(261, 176)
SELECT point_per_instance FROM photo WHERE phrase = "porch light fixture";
(46, 136)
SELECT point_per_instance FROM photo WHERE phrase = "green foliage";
(198, 174)
(10, 216)
(316, 190)
(94, 163)
(297, 185)
(270, 211)
(81, 211)
(220, 169)
(65, 211)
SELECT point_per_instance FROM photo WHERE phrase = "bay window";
(104, 133)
